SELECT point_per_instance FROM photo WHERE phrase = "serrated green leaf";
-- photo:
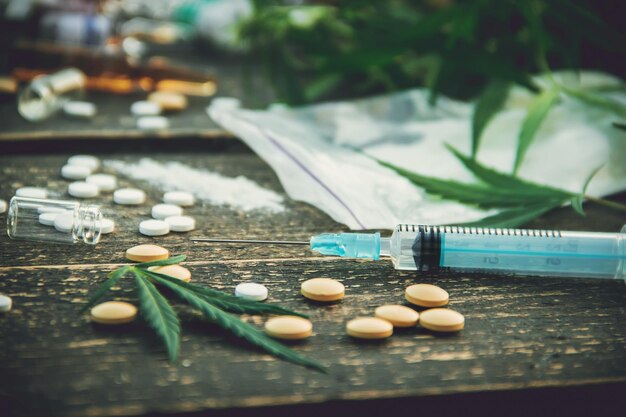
(516, 216)
(105, 286)
(321, 86)
(169, 261)
(488, 105)
(537, 113)
(159, 314)
(577, 201)
(597, 100)
(577, 205)
(238, 327)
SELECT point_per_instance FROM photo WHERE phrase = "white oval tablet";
(129, 196)
(152, 123)
(47, 219)
(154, 228)
(3, 206)
(181, 223)
(105, 182)
(89, 161)
(105, 226)
(79, 108)
(5, 303)
(251, 291)
(32, 192)
(179, 198)
(161, 211)
(75, 172)
(145, 108)
(81, 189)
(64, 222)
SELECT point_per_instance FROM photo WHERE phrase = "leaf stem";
(607, 203)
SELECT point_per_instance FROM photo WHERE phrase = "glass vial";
(53, 221)
(47, 93)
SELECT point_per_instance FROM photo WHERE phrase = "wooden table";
(530, 344)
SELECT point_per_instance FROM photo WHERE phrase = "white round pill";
(47, 219)
(161, 211)
(180, 198)
(105, 225)
(79, 108)
(145, 108)
(89, 161)
(181, 223)
(105, 182)
(75, 172)
(32, 192)
(251, 291)
(5, 303)
(154, 228)
(46, 209)
(3, 206)
(81, 189)
(153, 123)
(129, 196)
(64, 222)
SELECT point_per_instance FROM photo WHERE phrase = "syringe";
(476, 249)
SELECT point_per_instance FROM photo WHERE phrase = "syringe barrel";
(509, 251)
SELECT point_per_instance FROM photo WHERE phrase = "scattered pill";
(89, 161)
(64, 222)
(79, 109)
(147, 253)
(181, 223)
(398, 315)
(48, 209)
(3, 206)
(5, 303)
(129, 196)
(179, 198)
(251, 291)
(369, 328)
(154, 228)
(32, 192)
(47, 219)
(145, 108)
(323, 289)
(426, 295)
(152, 123)
(175, 271)
(169, 101)
(113, 312)
(75, 172)
(81, 189)
(105, 182)
(161, 211)
(105, 226)
(442, 320)
(289, 327)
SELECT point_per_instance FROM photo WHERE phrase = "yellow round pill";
(113, 312)
(169, 101)
(369, 328)
(289, 327)
(398, 315)
(147, 253)
(175, 271)
(426, 295)
(442, 320)
(323, 289)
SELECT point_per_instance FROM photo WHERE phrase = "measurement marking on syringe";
(530, 253)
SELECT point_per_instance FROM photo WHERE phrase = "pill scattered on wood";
(154, 228)
(32, 192)
(162, 211)
(323, 289)
(251, 291)
(179, 198)
(145, 108)
(105, 182)
(442, 320)
(105, 226)
(75, 172)
(175, 271)
(153, 123)
(89, 161)
(181, 223)
(169, 101)
(113, 312)
(398, 315)
(426, 295)
(129, 196)
(6, 303)
(3, 206)
(369, 328)
(81, 189)
(289, 327)
(82, 109)
(147, 253)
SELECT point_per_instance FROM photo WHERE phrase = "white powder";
(238, 192)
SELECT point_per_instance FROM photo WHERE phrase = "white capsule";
(105, 182)
(153, 123)
(77, 108)
(32, 192)
(81, 189)
(75, 172)
(5, 303)
(251, 291)
(47, 219)
(145, 108)
(129, 196)
(179, 198)
(154, 228)
(181, 223)
(64, 222)
(105, 225)
(3, 206)
(161, 211)
(89, 161)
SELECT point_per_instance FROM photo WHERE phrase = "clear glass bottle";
(34, 219)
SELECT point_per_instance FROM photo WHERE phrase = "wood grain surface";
(521, 332)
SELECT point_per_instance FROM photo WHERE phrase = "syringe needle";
(261, 242)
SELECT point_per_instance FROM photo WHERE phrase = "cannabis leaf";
(106, 286)
(488, 105)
